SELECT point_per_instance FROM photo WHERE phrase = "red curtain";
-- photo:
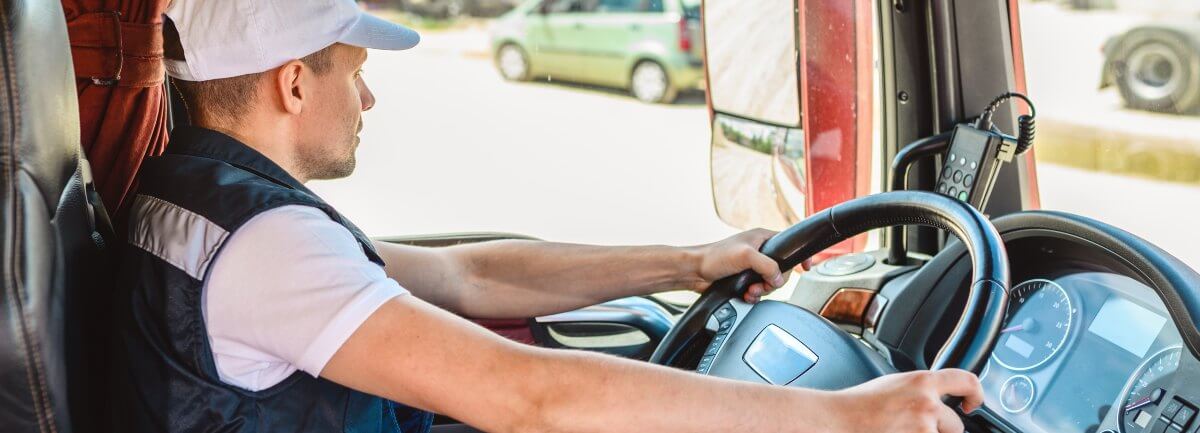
(117, 50)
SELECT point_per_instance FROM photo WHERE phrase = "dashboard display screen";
(1018, 345)
(1077, 398)
(1127, 325)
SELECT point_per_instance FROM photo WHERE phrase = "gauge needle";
(1025, 325)
(1013, 329)
(1154, 397)
(1139, 403)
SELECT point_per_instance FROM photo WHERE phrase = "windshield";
(586, 121)
(1118, 97)
(522, 122)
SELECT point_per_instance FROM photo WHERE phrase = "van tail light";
(685, 36)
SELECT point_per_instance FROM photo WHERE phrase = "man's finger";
(767, 267)
(960, 383)
(948, 421)
(755, 292)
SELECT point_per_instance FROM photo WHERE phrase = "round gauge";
(1146, 388)
(1017, 394)
(1040, 316)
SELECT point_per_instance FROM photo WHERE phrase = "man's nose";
(364, 94)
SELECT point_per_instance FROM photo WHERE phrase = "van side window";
(569, 6)
(629, 6)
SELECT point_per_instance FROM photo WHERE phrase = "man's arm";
(413, 353)
(516, 279)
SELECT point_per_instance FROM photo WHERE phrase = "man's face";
(332, 121)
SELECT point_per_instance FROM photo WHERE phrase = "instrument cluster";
(1088, 352)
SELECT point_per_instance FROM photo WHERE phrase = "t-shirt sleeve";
(291, 285)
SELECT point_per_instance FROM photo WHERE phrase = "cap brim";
(380, 34)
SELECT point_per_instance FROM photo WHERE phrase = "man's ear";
(290, 86)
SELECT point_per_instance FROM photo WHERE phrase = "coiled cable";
(1026, 123)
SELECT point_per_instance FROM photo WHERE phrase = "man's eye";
(358, 73)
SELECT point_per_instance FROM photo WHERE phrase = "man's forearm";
(410, 352)
(526, 278)
(517, 279)
(584, 392)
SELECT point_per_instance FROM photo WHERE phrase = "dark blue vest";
(188, 202)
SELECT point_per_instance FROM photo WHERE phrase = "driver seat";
(54, 322)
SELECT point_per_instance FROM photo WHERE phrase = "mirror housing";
(758, 157)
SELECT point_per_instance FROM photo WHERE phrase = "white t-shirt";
(288, 289)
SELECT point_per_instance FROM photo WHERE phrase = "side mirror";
(759, 172)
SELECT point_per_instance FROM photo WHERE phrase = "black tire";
(664, 92)
(508, 70)
(1158, 71)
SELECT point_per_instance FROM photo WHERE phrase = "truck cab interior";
(1072, 324)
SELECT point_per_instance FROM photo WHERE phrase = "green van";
(651, 47)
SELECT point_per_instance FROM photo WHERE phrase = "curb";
(1160, 152)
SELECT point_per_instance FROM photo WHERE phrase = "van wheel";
(1161, 72)
(512, 63)
(650, 83)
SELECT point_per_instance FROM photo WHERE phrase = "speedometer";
(1146, 389)
(1039, 321)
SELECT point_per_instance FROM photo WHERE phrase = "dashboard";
(1097, 336)
(1087, 352)
(1088, 345)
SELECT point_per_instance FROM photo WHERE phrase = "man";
(253, 306)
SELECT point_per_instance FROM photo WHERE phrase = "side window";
(568, 6)
(629, 6)
(617, 6)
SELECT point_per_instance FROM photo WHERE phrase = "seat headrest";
(39, 111)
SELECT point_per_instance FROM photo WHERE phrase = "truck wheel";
(1160, 72)
(650, 83)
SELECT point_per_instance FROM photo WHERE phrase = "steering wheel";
(821, 343)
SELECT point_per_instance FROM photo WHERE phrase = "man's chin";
(340, 170)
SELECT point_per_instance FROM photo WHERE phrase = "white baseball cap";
(228, 38)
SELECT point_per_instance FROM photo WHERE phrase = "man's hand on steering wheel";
(736, 254)
(909, 402)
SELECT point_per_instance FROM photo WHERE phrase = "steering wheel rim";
(977, 330)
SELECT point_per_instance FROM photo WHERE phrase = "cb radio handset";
(977, 151)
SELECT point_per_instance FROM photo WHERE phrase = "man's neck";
(265, 141)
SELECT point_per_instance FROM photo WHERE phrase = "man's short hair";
(227, 99)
